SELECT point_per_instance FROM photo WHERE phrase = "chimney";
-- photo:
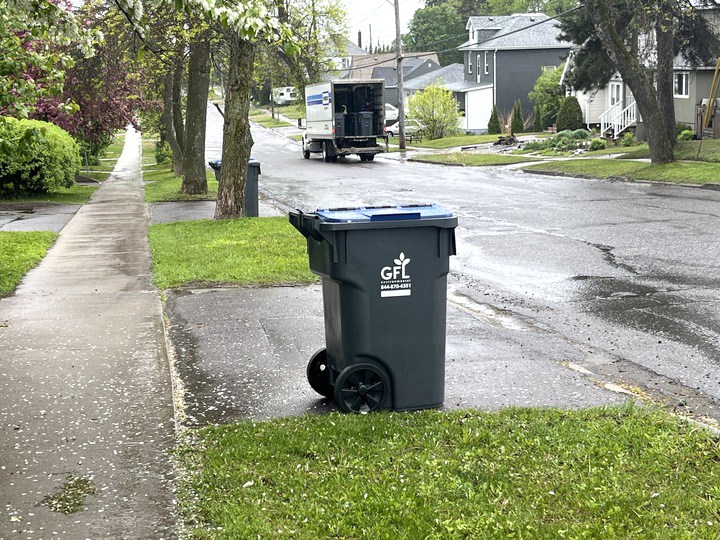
(360, 38)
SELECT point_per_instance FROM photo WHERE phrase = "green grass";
(610, 473)
(686, 150)
(77, 194)
(108, 160)
(474, 160)
(244, 251)
(267, 121)
(461, 140)
(678, 172)
(19, 252)
(291, 111)
(161, 185)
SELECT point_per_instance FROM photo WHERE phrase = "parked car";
(391, 113)
(411, 128)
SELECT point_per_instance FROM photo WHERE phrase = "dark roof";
(363, 65)
(389, 74)
(454, 73)
(520, 31)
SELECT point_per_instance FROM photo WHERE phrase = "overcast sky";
(381, 15)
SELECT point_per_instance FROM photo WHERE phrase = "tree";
(570, 115)
(637, 38)
(494, 127)
(538, 114)
(517, 124)
(548, 96)
(435, 108)
(36, 39)
(437, 27)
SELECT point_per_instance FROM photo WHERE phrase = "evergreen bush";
(494, 123)
(570, 115)
(35, 157)
(517, 124)
(537, 125)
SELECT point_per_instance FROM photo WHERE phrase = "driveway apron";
(85, 392)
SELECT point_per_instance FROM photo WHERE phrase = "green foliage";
(537, 124)
(517, 124)
(628, 139)
(605, 473)
(472, 160)
(680, 127)
(436, 110)
(597, 144)
(494, 127)
(35, 157)
(548, 97)
(437, 28)
(686, 135)
(19, 252)
(163, 154)
(563, 141)
(570, 115)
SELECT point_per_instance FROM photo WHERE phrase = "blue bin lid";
(382, 213)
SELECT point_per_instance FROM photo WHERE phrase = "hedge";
(35, 157)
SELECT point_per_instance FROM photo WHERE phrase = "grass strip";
(268, 121)
(622, 472)
(291, 111)
(161, 185)
(677, 172)
(685, 150)
(77, 194)
(473, 160)
(267, 251)
(20, 252)
(460, 140)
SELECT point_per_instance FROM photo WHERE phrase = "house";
(503, 57)
(412, 67)
(340, 56)
(363, 65)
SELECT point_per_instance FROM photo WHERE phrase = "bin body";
(384, 285)
(251, 184)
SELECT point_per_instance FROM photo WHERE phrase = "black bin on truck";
(384, 281)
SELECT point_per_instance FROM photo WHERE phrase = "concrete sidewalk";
(85, 388)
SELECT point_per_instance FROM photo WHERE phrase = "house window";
(682, 85)
(470, 64)
(615, 93)
(487, 65)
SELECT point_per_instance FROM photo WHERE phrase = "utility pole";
(400, 83)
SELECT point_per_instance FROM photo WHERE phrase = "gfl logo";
(399, 271)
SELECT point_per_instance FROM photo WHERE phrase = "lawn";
(473, 160)
(244, 251)
(77, 194)
(108, 160)
(460, 140)
(678, 172)
(685, 150)
(20, 252)
(161, 185)
(610, 473)
(291, 111)
(267, 121)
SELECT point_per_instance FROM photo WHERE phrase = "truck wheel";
(370, 157)
(306, 153)
(326, 155)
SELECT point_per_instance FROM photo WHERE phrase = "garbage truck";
(344, 117)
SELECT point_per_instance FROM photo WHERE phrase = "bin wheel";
(362, 388)
(318, 374)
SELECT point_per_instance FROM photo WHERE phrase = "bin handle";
(305, 224)
(295, 217)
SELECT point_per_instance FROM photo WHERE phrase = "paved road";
(626, 273)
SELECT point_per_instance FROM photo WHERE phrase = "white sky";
(381, 15)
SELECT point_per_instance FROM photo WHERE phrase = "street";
(626, 275)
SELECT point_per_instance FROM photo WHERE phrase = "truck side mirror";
(301, 123)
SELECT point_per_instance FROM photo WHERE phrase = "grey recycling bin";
(384, 282)
(251, 184)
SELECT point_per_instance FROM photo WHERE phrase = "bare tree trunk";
(665, 75)
(169, 126)
(637, 78)
(194, 179)
(237, 140)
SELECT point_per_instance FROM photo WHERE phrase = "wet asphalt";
(616, 280)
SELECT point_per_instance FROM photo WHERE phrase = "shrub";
(163, 154)
(517, 124)
(35, 157)
(570, 115)
(597, 144)
(494, 123)
(581, 134)
(628, 139)
(436, 110)
(679, 128)
(537, 125)
(686, 135)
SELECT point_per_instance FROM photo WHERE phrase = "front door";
(615, 93)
